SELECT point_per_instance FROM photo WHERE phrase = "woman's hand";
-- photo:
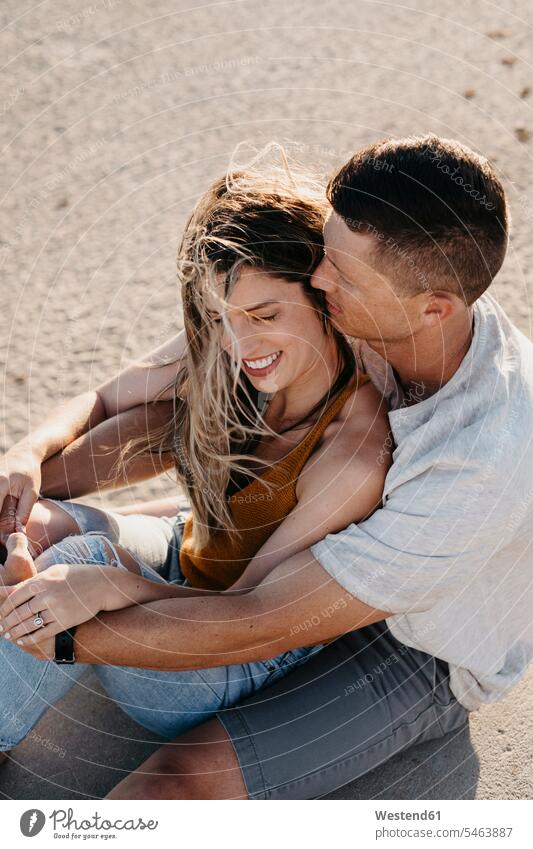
(62, 596)
(20, 484)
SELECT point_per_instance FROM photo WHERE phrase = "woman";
(276, 437)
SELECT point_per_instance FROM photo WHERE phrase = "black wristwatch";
(64, 652)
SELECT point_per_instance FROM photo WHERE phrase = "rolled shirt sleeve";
(423, 545)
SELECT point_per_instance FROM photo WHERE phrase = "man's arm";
(85, 465)
(36, 462)
(298, 604)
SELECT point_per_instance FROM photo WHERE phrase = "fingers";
(42, 635)
(8, 512)
(15, 630)
(5, 590)
(41, 651)
(15, 512)
(22, 593)
(25, 505)
(25, 614)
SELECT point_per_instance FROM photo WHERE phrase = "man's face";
(361, 301)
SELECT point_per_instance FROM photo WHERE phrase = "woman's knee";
(89, 548)
(77, 548)
(48, 524)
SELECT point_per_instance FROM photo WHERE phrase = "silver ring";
(38, 621)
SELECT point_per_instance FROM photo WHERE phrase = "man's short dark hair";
(436, 210)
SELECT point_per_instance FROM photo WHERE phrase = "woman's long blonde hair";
(270, 218)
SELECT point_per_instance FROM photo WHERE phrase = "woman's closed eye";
(260, 318)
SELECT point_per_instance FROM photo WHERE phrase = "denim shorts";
(169, 703)
(154, 541)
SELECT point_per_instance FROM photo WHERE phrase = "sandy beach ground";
(116, 114)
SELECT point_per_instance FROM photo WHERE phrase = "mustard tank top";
(257, 510)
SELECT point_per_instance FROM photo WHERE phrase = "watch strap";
(64, 647)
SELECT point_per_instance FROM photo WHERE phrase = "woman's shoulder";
(356, 441)
(363, 407)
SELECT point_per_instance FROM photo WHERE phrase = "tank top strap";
(297, 458)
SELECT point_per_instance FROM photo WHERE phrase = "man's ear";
(440, 306)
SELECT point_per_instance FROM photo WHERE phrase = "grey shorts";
(344, 711)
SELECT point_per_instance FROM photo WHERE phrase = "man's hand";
(20, 480)
(8, 518)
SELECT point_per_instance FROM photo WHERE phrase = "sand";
(116, 115)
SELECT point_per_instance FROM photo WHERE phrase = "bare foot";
(19, 563)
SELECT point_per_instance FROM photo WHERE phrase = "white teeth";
(262, 363)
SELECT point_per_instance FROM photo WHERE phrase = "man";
(432, 592)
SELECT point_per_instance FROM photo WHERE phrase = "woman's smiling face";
(277, 329)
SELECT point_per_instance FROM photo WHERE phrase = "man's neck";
(423, 364)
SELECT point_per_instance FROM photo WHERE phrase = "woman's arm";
(84, 464)
(341, 483)
(70, 594)
(145, 380)
(20, 466)
(197, 633)
(124, 589)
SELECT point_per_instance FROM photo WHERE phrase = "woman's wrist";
(118, 591)
(124, 589)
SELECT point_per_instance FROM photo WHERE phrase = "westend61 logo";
(65, 825)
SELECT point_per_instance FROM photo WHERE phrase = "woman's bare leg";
(126, 558)
(161, 507)
(47, 525)
(116, 553)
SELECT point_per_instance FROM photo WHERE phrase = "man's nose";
(322, 277)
